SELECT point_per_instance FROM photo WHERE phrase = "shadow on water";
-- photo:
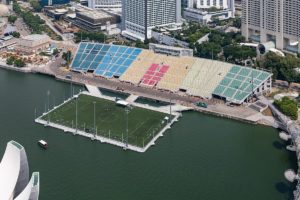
(279, 144)
(285, 188)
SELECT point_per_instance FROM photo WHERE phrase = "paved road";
(21, 27)
(50, 24)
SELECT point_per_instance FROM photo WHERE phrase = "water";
(202, 157)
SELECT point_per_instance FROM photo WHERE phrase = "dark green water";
(202, 157)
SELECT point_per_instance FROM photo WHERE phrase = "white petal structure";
(14, 175)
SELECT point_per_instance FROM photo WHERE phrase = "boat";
(43, 144)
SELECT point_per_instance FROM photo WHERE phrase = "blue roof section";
(237, 85)
(104, 59)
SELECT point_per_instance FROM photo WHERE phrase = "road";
(21, 27)
(50, 24)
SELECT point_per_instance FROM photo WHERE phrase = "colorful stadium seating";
(204, 77)
(197, 76)
(138, 68)
(239, 82)
(104, 60)
(154, 74)
(176, 73)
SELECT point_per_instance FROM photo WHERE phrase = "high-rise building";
(201, 10)
(139, 17)
(53, 2)
(105, 4)
(272, 20)
(221, 4)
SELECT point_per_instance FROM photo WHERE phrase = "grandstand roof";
(198, 76)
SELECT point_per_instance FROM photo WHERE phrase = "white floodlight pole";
(94, 116)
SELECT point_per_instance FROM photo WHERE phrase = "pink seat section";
(154, 74)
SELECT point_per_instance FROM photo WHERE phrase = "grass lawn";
(110, 119)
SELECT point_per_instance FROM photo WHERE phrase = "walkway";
(93, 90)
(132, 98)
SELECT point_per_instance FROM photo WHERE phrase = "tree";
(288, 107)
(283, 68)
(91, 36)
(208, 50)
(67, 56)
(10, 60)
(34, 22)
(140, 44)
(19, 63)
(237, 22)
(237, 53)
(16, 34)
(55, 52)
(11, 19)
(36, 6)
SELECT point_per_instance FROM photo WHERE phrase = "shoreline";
(40, 70)
(295, 137)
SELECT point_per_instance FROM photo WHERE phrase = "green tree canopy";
(283, 68)
(67, 56)
(288, 107)
(11, 19)
(16, 34)
(90, 36)
(208, 50)
(36, 5)
(234, 53)
(19, 63)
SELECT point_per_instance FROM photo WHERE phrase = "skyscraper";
(222, 4)
(140, 16)
(272, 20)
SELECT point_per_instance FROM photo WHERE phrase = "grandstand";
(204, 77)
(104, 60)
(239, 83)
(179, 68)
(170, 79)
(195, 76)
(139, 67)
(154, 74)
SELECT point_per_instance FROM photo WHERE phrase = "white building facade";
(220, 4)
(140, 16)
(14, 175)
(94, 4)
(272, 20)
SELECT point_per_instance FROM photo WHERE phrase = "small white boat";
(43, 144)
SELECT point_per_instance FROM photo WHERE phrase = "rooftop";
(36, 37)
(95, 14)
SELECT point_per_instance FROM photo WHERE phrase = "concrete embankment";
(10, 67)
